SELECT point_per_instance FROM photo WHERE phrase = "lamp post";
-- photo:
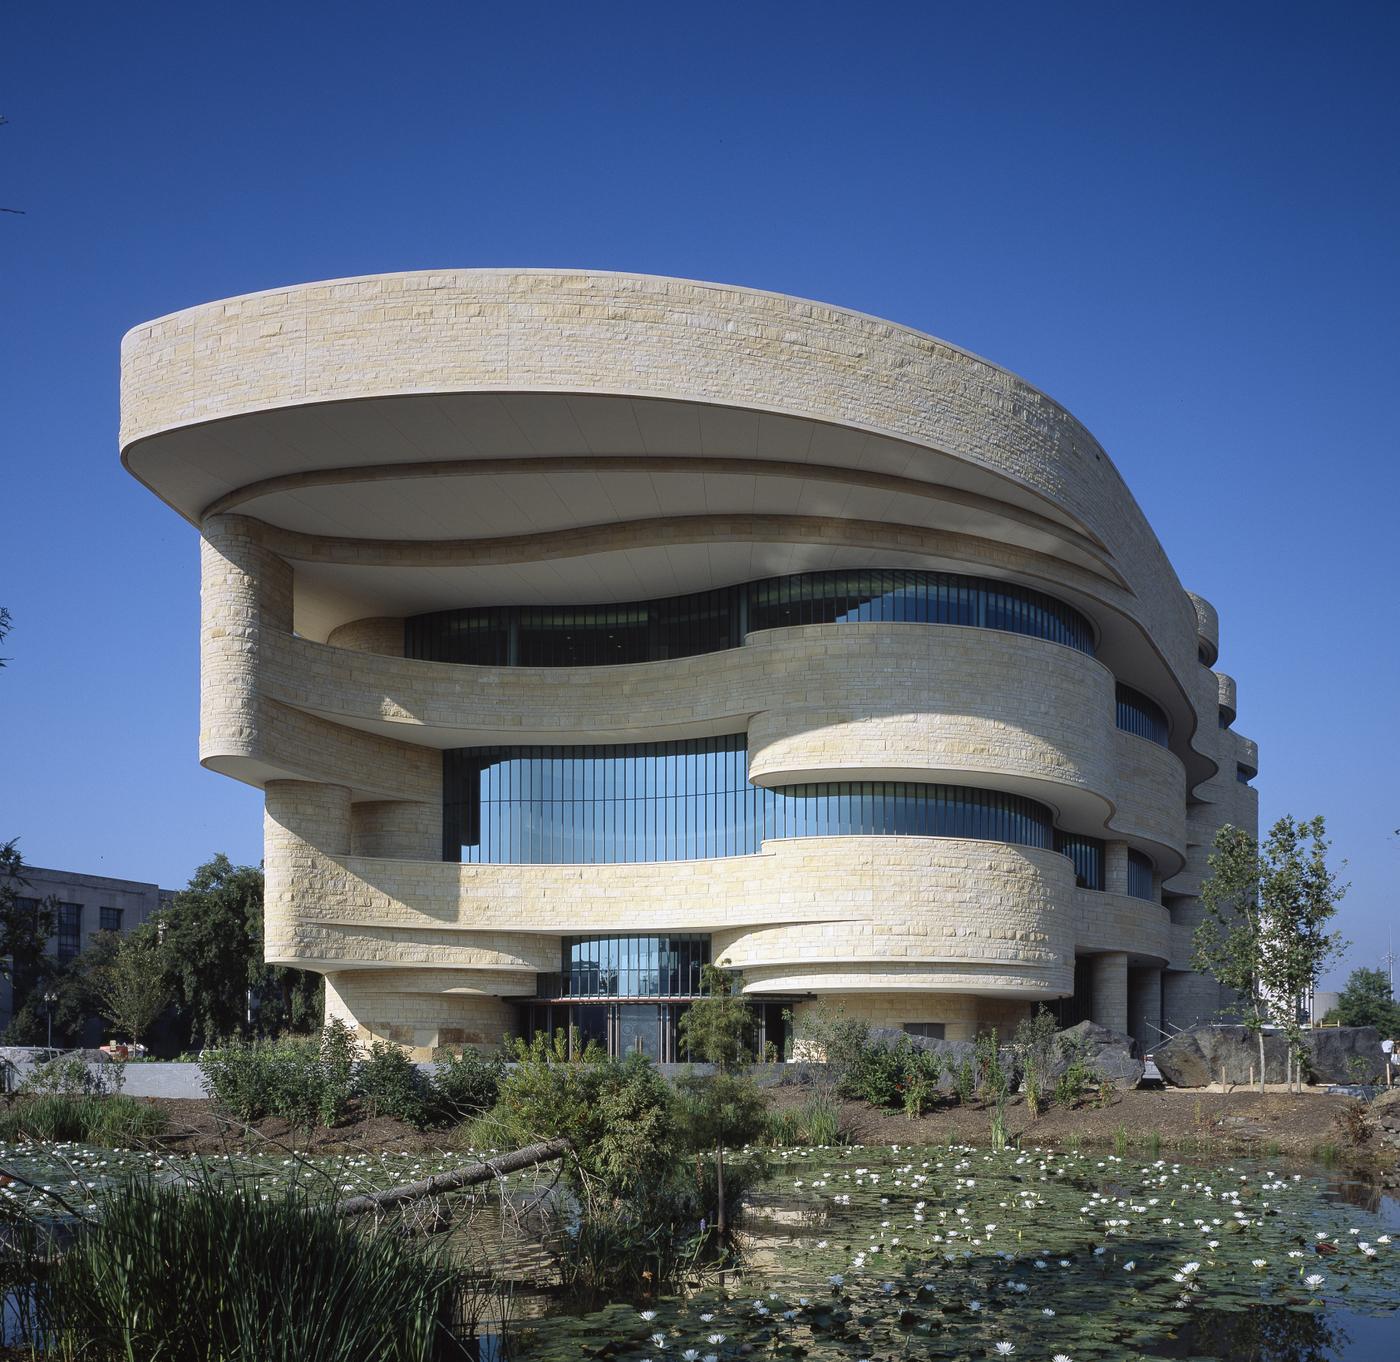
(50, 998)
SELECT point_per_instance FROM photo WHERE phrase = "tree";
(1298, 896)
(1267, 908)
(133, 988)
(212, 934)
(723, 1107)
(25, 927)
(1367, 1001)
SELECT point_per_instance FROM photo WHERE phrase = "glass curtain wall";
(1138, 714)
(710, 621)
(688, 801)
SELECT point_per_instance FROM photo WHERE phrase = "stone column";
(306, 831)
(245, 591)
(1115, 867)
(1145, 1007)
(1110, 996)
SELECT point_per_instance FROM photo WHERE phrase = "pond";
(950, 1252)
(965, 1253)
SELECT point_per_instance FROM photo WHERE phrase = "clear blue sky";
(1181, 221)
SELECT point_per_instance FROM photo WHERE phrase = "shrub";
(618, 1114)
(1074, 1082)
(966, 1082)
(300, 1080)
(466, 1085)
(115, 1121)
(1035, 1044)
(390, 1084)
(70, 1076)
(220, 1271)
(817, 1121)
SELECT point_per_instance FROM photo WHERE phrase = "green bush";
(115, 1121)
(466, 1085)
(618, 1114)
(390, 1085)
(301, 1080)
(71, 1076)
(223, 1273)
(1078, 1074)
(895, 1077)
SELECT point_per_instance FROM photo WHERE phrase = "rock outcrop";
(1229, 1054)
(1111, 1054)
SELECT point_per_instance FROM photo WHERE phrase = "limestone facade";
(359, 452)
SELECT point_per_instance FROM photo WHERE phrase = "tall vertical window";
(1136, 713)
(109, 919)
(1140, 875)
(68, 929)
(1086, 855)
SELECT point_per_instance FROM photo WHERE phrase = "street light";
(50, 999)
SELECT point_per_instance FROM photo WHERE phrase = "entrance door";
(638, 1029)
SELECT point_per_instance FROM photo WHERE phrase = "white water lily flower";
(836, 1279)
(974, 1306)
(1314, 1280)
(1062, 1357)
(716, 1339)
(691, 1355)
(648, 1315)
(1004, 1349)
(658, 1340)
(1259, 1262)
(1048, 1313)
(1129, 1265)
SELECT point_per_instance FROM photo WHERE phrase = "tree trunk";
(719, 1187)
(465, 1176)
(1261, 1059)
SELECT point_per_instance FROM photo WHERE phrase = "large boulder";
(1111, 1054)
(1219, 1053)
(1345, 1054)
(1229, 1054)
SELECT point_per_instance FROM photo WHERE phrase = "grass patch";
(219, 1271)
(117, 1122)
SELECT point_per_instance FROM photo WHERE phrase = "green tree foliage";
(716, 1028)
(25, 929)
(1367, 1001)
(1265, 933)
(722, 1104)
(619, 1116)
(213, 938)
(133, 988)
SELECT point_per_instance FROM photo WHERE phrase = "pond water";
(953, 1253)
(965, 1253)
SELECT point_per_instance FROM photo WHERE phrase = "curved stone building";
(581, 628)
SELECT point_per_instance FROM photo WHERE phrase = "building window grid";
(670, 966)
(689, 800)
(68, 929)
(109, 919)
(711, 621)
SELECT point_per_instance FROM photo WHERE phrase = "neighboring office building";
(582, 628)
(82, 905)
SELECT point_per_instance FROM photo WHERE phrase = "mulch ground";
(1295, 1124)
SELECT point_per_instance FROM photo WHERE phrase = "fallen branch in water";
(455, 1178)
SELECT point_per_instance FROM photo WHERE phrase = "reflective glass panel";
(589, 805)
(710, 621)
